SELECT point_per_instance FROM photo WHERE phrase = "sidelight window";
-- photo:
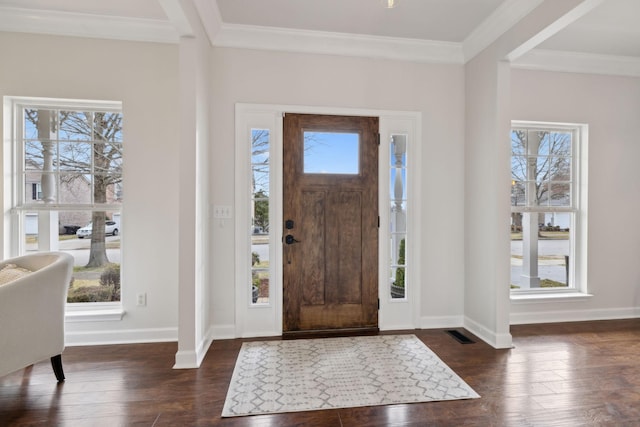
(260, 179)
(398, 215)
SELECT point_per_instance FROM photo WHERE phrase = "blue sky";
(331, 152)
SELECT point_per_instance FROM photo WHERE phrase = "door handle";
(289, 239)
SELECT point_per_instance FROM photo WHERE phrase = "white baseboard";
(574, 315)
(438, 322)
(222, 332)
(186, 359)
(119, 336)
(495, 340)
(192, 359)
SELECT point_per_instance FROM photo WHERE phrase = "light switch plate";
(222, 212)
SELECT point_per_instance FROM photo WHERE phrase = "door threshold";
(330, 333)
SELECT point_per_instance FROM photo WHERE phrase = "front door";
(331, 223)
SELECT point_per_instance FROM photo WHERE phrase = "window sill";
(93, 312)
(548, 297)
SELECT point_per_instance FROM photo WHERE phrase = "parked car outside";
(110, 227)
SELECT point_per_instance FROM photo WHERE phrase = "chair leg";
(56, 363)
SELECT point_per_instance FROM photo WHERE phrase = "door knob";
(289, 239)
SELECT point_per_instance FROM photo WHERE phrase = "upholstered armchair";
(33, 294)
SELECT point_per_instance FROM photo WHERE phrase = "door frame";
(266, 319)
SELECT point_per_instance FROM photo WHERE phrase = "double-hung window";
(66, 185)
(548, 179)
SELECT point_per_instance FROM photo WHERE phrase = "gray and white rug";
(329, 373)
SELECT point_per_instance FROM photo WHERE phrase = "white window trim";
(254, 320)
(12, 225)
(93, 312)
(578, 250)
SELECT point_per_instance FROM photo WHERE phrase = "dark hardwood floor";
(573, 374)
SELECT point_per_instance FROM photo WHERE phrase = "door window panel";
(331, 153)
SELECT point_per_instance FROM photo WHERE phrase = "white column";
(47, 220)
(530, 278)
(398, 215)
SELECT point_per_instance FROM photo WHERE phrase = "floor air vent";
(460, 337)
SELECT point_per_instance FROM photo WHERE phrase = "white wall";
(249, 76)
(144, 76)
(611, 108)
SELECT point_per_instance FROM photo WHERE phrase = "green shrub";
(110, 279)
(400, 270)
(89, 294)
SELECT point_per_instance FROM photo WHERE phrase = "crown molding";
(499, 22)
(22, 20)
(320, 42)
(577, 62)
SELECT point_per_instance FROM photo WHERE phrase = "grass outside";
(545, 235)
(115, 244)
(543, 257)
(546, 283)
(31, 238)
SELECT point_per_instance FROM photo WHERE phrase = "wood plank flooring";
(570, 374)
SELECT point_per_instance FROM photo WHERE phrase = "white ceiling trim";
(562, 22)
(500, 21)
(321, 42)
(576, 62)
(210, 17)
(86, 25)
(176, 14)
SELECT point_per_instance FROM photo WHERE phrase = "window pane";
(398, 262)
(517, 193)
(75, 188)
(398, 215)
(331, 153)
(518, 142)
(108, 157)
(75, 156)
(88, 284)
(34, 155)
(259, 146)
(75, 126)
(260, 260)
(261, 180)
(30, 123)
(560, 193)
(107, 126)
(560, 143)
(260, 268)
(540, 253)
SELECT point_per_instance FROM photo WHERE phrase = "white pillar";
(398, 215)
(47, 220)
(530, 278)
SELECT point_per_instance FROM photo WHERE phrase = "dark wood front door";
(331, 223)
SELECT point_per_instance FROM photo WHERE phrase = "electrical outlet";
(141, 299)
(222, 212)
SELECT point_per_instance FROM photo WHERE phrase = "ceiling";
(421, 30)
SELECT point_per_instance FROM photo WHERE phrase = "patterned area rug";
(328, 373)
